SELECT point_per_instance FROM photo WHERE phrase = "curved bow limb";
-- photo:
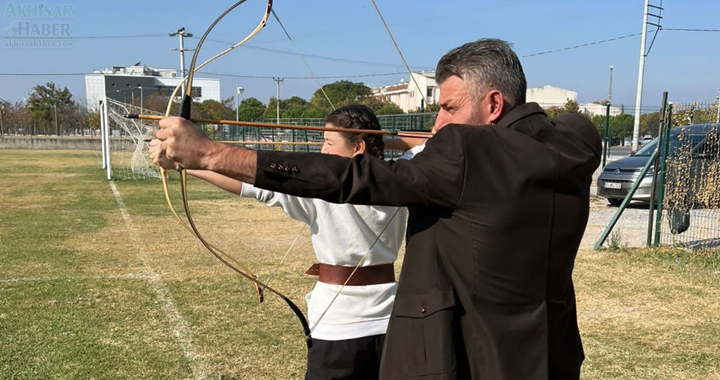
(185, 112)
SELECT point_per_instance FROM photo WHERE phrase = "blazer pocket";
(424, 332)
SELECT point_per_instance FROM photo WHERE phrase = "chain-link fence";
(691, 204)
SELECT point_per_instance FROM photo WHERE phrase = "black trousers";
(351, 359)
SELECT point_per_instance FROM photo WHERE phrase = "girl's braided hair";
(356, 116)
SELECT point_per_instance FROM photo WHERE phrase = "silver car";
(618, 177)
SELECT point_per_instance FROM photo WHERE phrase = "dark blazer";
(496, 214)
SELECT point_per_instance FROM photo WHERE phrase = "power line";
(41, 74)
(227, 75)
(322, 57)
(691, 30)
(581, 45)
(119, 36)
(305, 78)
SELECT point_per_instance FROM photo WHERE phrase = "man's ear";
(496, 102)
(360, 147)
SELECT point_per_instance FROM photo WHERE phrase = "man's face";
(457, 106)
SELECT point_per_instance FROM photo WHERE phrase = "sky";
(345, 39)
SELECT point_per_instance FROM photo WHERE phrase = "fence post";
(663, 170)
(656, 166)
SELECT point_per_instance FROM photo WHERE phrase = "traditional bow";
(185, 112)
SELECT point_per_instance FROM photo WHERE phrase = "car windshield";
(648, 149)
(678, 136)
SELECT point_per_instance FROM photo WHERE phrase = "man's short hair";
(486, 64)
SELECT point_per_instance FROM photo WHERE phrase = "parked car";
(645, 140)
(617, 177)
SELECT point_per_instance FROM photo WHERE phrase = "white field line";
(180, 329)
(136, 276)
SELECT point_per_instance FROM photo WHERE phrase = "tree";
(649, 123)
(603, 102)
(293, 107)
(251, 109)
(18, 119)
(341, 93)
(621, 125)
(313, 113)
(51, 105)
(295, 101)
(599, 122)
(271, 110)
(571, 106)
(390, 109)
(158, 101)
(212, 109)
(92, 120)
(380, 106)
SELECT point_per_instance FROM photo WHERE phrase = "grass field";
(90, 289)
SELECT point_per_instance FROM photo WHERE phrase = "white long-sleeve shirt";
(341, 234)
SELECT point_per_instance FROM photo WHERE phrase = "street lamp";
(240, 90)
(610, 92)
(2, 110)
(277, 99)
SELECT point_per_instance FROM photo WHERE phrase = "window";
(429, 92)
(195, 93)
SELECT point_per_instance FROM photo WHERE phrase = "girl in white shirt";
(347, 332)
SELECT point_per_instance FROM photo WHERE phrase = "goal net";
(128, 149)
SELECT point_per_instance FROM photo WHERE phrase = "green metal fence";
(403, 122)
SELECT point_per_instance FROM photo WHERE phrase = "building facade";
(134, 84)
(407, 95)
(593, 109)
(550, 96)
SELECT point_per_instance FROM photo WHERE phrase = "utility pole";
(277, 99)
(141, 97)
(57, 128)
(182, 34)
(641, 70)
(610, 91)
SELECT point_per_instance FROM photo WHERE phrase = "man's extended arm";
(186, 144)
(433, 178)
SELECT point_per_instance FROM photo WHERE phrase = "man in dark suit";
(498, 203)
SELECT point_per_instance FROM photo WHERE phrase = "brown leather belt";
(337, 274)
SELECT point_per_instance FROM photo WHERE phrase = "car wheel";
(614, 202)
